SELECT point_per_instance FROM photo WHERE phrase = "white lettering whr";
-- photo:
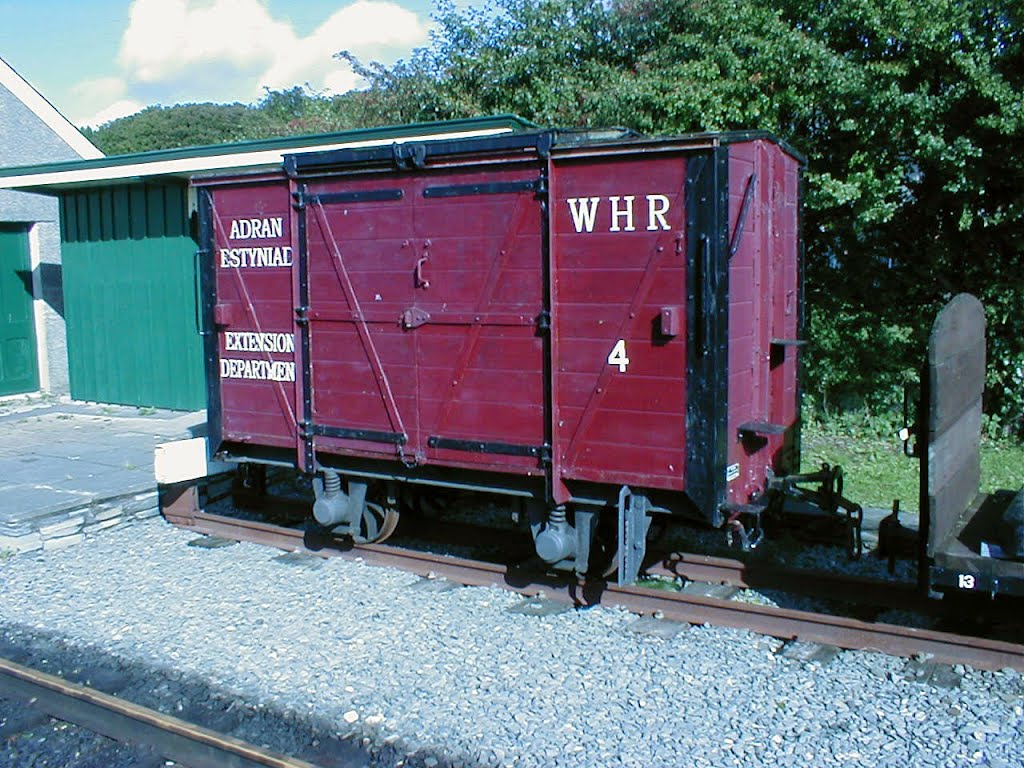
(657, 207)
(618, 213)
(583, 210)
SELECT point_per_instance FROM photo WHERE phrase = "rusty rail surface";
(121, 720)
(843, 632)
(834, 586)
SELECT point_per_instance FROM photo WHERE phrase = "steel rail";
(805, 581)
(842, 632)
(121, 720)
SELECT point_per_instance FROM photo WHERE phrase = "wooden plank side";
(955, 447)
(955, 383)
(618, 227)
(958, 383)
(948, 502)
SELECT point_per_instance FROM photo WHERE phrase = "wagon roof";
(560, 142)
(238, 156)
(568, 140)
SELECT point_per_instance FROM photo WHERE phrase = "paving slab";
(59, 458)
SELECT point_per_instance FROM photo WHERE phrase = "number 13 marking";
(618, 355)
(966, 581)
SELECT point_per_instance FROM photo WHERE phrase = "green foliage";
(185, 125)
(909, 112)
(291, 112)
(860, 360)
(1004, 392)
(301, 111)
(875, 469)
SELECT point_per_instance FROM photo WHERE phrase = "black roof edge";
(571, 137)
(414, 153)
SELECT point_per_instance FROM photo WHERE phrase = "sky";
(97, 60)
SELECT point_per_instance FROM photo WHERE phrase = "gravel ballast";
(420, 676)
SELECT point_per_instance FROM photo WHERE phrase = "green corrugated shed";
(130, 296)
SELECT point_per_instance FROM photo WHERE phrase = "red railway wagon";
(592, 324)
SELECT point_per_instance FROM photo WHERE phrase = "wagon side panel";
(361, 380)
(480, 356)
(619, 293)
(764, 316)
(250, 351)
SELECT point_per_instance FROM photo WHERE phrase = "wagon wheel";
(376, 524)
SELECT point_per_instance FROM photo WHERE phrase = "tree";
(301, 110)
(908, 112)
(290, 112)
(185, 125)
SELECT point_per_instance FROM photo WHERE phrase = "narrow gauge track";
(842, 632)
(876, 593)
(808, 582)
(184, 743)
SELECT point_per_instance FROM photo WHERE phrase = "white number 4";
(618, 355)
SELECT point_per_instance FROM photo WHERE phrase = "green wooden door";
(130, 297)
(19, 371)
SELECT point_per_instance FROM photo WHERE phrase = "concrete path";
(59, 459)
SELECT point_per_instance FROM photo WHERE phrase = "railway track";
(814, 583)
(839, 631)
(184, 743)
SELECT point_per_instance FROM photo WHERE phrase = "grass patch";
(876, 471)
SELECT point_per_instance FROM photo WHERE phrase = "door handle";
(421, 281)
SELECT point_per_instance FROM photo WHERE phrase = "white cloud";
(113, 111)
(364, 27)
(101, 100)
(231, 49)
(100, 88)
(166, 38)
(175, 51)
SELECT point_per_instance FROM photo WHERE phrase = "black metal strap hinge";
(358, 196)
(544, 321)
(544, 455)
(542, 187)
(482, 446)
(488, 188)
(367, 435)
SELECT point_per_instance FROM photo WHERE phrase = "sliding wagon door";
(480, 299)
(425, 292)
